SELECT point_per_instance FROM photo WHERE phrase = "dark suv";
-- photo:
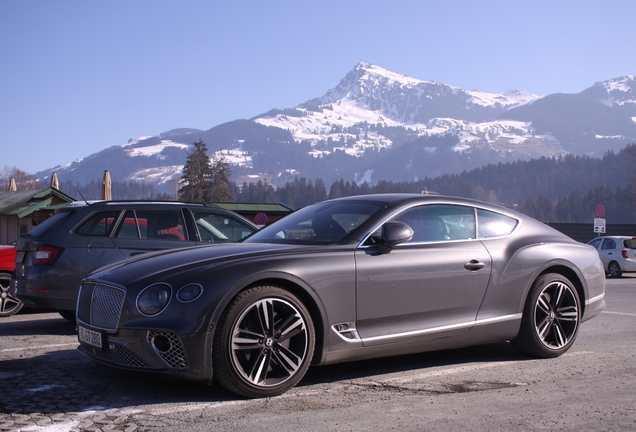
(54, 257)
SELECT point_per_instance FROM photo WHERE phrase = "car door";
(146, 230)
(608, 251)
(429, 287)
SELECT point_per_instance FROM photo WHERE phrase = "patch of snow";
(155, 150)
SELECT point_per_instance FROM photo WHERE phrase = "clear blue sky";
(77, 77)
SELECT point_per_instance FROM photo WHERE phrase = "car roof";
(393, 198)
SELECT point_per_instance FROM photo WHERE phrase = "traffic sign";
(599, 225)
(600, 210)
(260, 218)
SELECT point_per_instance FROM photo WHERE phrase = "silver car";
(618, 254)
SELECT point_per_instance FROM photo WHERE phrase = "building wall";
(584, 232)
(9, 229)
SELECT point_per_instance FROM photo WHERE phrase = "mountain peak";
(620, 91)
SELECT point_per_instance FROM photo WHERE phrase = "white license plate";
(89, 336)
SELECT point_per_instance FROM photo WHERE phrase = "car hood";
(162, 262)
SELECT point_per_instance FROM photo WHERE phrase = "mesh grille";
(122, 356)
(100, 305)
(174, 357)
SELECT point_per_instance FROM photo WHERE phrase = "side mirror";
(394, 233)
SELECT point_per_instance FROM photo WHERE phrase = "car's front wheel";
(614, 270)
(9, 305)
(551, 317)
(264, 343)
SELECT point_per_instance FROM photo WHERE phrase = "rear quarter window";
(630, 244)
(98, 225)
(491, 224)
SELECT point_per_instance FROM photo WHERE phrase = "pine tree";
(221, 184)
(198, 175)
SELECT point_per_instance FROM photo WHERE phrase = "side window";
(99, 225)
(128, 226)
(608, 244)
(160, 224)
(493, 224)
(215, 227)
(438, 222)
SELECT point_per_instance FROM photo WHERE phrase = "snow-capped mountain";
(380, 125)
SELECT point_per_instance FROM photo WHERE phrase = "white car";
(618, 254)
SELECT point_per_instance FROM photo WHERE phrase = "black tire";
(67, 315)
(9, 305)
(551, 317)
(614, 270)
(264, 343)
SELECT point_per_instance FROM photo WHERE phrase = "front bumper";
(154, 350)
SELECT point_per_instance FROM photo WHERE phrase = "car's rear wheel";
(614, 269)
(9, 305)
(264, 343)
(551, 317)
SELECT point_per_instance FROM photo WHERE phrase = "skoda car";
(341, 280)
(54, 257)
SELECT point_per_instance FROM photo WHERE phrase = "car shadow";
(498, 352)
(64, 381)
(53, 326)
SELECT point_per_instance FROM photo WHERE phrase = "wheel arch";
(573, 277)
(297, 288)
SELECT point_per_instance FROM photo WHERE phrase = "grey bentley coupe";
(345, 279)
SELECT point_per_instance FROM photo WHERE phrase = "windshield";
(48, 224)
(321, 223)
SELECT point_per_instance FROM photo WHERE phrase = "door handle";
(474, 265)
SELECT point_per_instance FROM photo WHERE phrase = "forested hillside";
(563, 189)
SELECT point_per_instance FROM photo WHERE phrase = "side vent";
(347, 331)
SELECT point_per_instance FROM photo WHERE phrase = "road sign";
(260, 218)
(599, 225)
(600, 210)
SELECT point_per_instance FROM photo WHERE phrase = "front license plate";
(90, 337)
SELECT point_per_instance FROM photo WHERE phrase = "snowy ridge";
(368, 109)
(375, 95)
(620, 91)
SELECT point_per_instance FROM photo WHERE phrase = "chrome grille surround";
(100, 305)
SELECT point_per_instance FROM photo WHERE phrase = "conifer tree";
(198, 175)
(221, 184)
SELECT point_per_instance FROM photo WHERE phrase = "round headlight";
(154, 299)
(189, 293)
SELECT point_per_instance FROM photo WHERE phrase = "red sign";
(600, 210)
(260, 218)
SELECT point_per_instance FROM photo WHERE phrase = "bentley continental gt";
(342, 280)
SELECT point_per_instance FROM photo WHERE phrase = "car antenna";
(78, 191)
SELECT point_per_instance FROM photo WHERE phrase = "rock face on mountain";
(381, 125)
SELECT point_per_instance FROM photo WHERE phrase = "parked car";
(9, 304)
(346, 279)
(53, 258)
(618, 254)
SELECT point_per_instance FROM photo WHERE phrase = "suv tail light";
(46, 255)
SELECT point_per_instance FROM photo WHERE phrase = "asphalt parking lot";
(46, 385)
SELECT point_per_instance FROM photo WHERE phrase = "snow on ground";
(155, 150)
